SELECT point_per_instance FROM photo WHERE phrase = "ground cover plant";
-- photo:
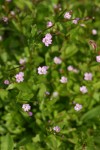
(49, 75)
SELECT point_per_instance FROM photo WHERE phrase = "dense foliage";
(49, 75)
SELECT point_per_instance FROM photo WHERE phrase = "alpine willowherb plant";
(49, 75)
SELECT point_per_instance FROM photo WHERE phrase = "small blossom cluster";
(47, 93)
(42, 70)
(12, 13)
(78, 107)
(57, 7)
(63, 79)
(47, 40)
(67, 15)
(94, 32)
(22, 61)
(5, 19)
(49, 24)
(26, 108)
(75, 21)
(83, 89)
(57, 60)
(88, 76)
(71, 68)
(6, 82)
(98, 58)
(56, 129)
(19, 77)
(30, 113)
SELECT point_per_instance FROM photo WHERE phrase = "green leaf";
(29, 5)
(32, 146)
(11, 86)
(95, 112)
(76, 88)
(24, 96)
(16, 25)
(3, 94)
(42, 90)
(38, 60)
(69, 51)
(52, 142)
(7, 142)
(36, 138)
(96, 96)
(96, 85)
(24, 141)
(25, 92)
(4, 56)
(25, 87)
(33, 30)
(21, 4)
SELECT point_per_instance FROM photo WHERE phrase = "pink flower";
(47, 93)
(70, 68)
(5, 19)
(78, 107)
(57, 60)
(22, 61)
(98, 58)
(56, 129)
(30, 113)
(6, 82)
(83, 89)
(47, 40)
(42, 70)
(63, 80)
(88, 76)
(67, 15)
(75, 70)
(48, 35)
(75, 21)
(94, 31)
(19, 77)
(49, 24)
(26, 107)
(12, 13)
